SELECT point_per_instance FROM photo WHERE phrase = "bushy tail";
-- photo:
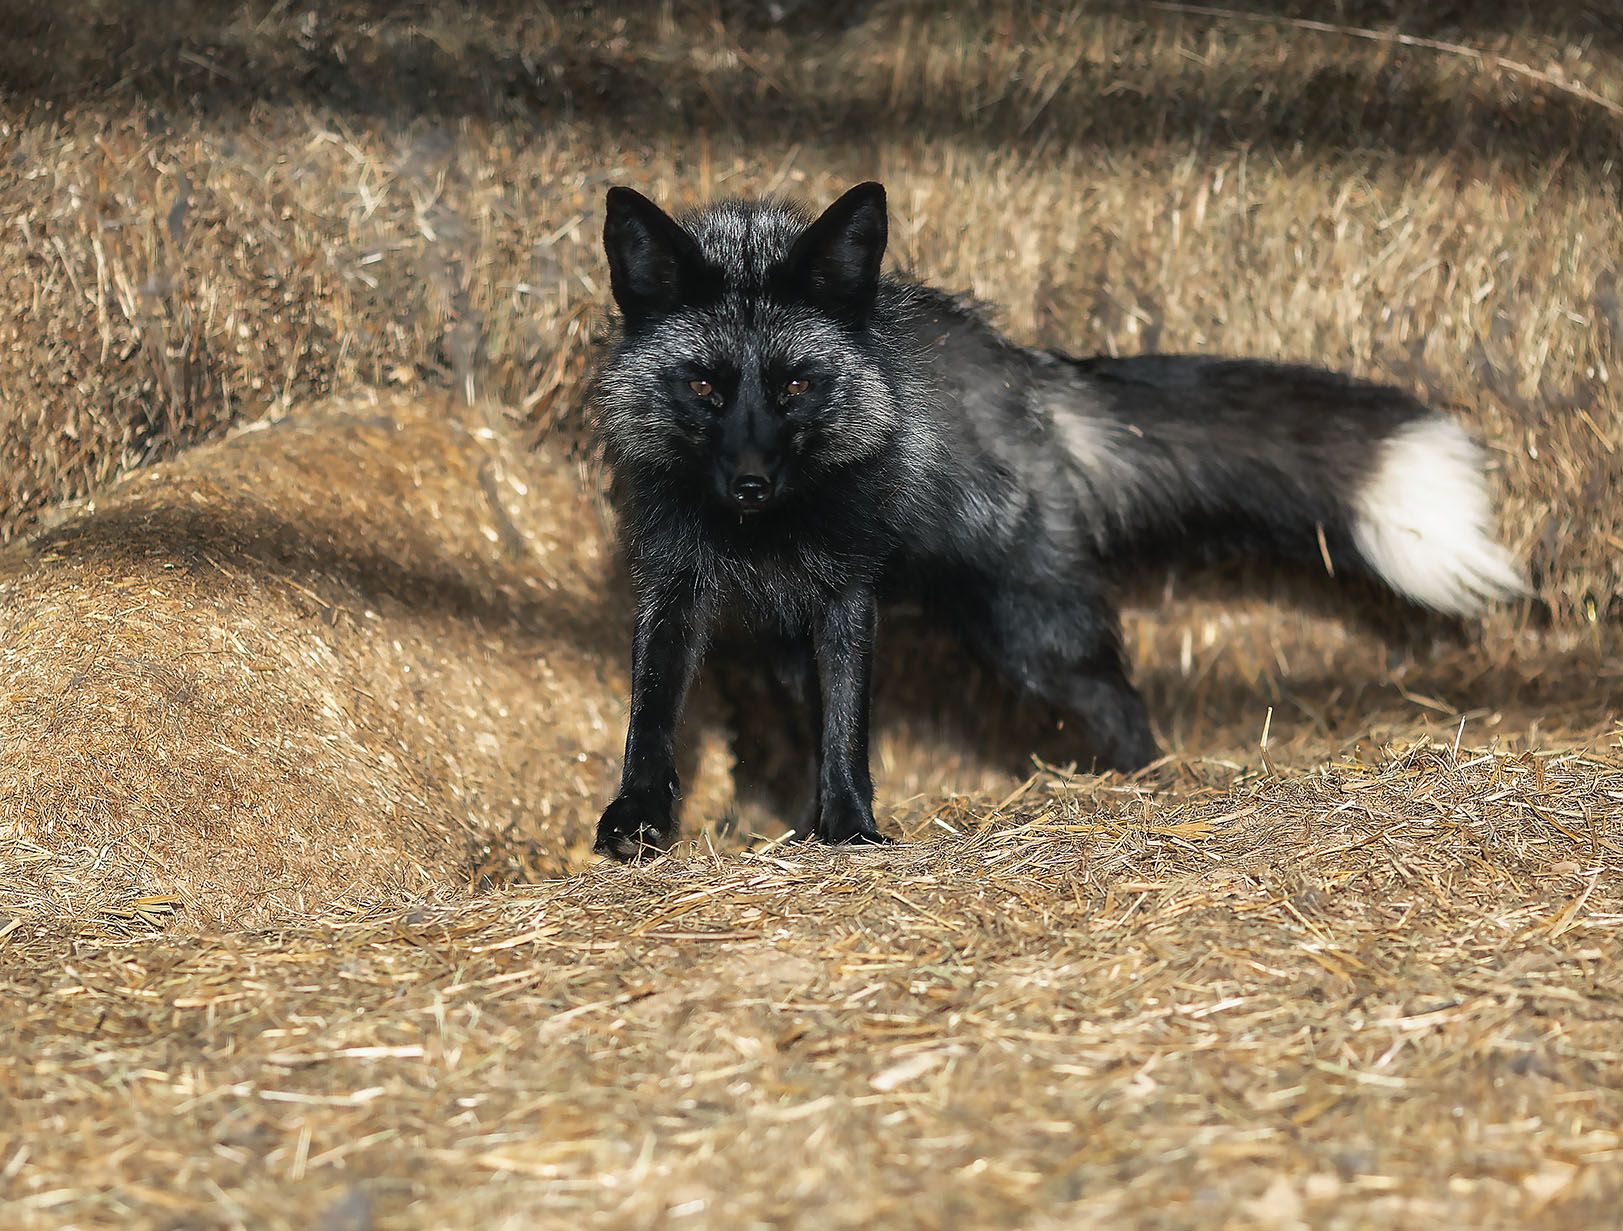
(1193, 454)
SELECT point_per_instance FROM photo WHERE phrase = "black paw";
(1125, 749)
(633, 826)
(1130, 758)
(849, 824)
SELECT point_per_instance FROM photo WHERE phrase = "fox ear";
(836, 259)
(652, 260)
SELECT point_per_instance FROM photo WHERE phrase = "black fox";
(793, 436)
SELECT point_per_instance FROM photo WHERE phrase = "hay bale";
(367, 652)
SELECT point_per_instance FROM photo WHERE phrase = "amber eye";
(796, 387)
(701, 387)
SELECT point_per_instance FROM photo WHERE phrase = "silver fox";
(794, 436)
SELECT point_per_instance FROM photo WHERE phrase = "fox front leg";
(844, 644)
(665, 652)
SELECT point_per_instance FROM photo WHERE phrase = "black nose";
(751, 490)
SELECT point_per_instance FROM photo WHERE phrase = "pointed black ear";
(653, 262)
(836, 260)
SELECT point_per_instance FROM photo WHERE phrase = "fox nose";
(751, 491)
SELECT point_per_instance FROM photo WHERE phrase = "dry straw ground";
(308, 693)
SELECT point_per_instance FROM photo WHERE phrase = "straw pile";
(364, 651)
(1377, 992)
(308, 699)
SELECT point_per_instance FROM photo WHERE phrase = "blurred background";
(214, 207)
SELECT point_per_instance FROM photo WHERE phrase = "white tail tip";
(1426, 526)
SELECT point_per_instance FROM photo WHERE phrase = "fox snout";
(750, 459)
(749, 482)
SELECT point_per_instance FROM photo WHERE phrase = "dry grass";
(1371, 993)
(290, 720)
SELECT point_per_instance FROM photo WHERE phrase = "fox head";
(747, 363)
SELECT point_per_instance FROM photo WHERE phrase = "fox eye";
(701, 387)
(797, 386)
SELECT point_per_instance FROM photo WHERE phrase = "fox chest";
(778, 582)
(784, 589)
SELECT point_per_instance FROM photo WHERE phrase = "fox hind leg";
(794, 663)
(1063, 644)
